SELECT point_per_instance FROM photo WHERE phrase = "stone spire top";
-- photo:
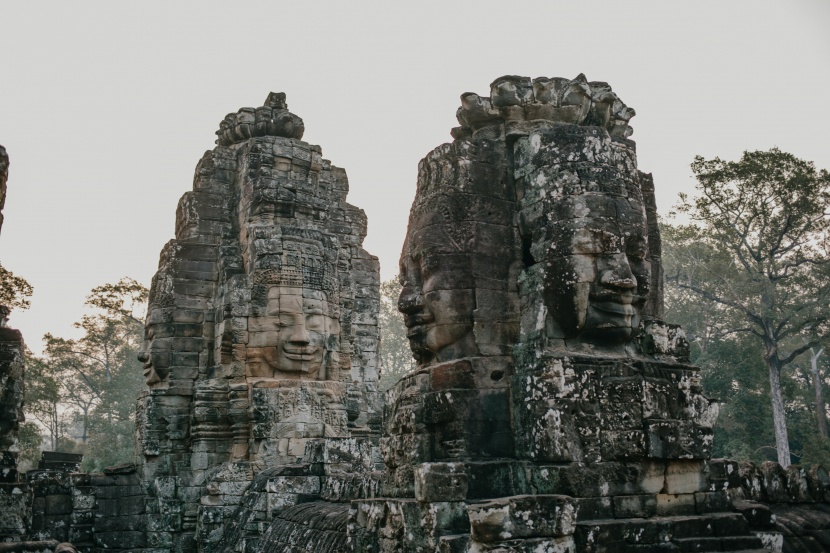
(271, 119)
(558, 100)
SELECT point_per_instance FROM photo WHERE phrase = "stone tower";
(261, 330)
(552, 409)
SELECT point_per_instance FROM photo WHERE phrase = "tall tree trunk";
(821, 415)
(782, 442)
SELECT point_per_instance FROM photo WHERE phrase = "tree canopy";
(83, 391)
(756, 251)
(14, 290)
(395, 355)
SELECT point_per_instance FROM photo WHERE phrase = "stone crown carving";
(271, 119)
(556, 99)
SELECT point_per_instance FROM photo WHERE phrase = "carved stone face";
(437, 300)
(597, 274)
(155, 350)
(294, 338)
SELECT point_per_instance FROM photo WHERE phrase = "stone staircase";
(710, 533)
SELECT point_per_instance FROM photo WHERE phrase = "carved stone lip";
(301, 354)
(615, 308)
(416, 330)
(416, 321)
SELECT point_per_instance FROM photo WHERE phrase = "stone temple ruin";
(551, 410)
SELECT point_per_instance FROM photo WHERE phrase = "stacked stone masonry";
(551, 410)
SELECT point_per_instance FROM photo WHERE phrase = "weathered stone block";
(757, 515)
(522, 517)
(441, 482)
(82, 501)
(120, 540)
(601, 479)
(307, 485)
(618, 535)
(635, 506)
(675, 504)
(622, 445)
(593, 508)
(677, 439)
(712, 502)
(774, 481)
(685, 477)
(58, 504)
(723, 474)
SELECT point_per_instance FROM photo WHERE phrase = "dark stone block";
(453, 375)
(121, 540)
(688, 545)
(712, 502)
(757, 515)
(594, 508)
(635, 506)
(691, 527)
(738, 543)
(490, 479)
(58, 504)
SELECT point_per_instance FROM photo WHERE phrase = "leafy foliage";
(757, 255)
(395, 354)
(14, 290)
(43, 401)
(90, 384)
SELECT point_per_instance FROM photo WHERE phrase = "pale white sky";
(105, 107)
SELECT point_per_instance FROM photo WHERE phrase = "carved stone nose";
(409, 301)
(143, 356)
(617, 273)
(299, 334)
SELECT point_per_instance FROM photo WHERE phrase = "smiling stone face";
(296, 337)
(586, 236)
(597, 275)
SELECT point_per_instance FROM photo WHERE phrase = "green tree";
(395, 355)
(101, 376)
(44, 401)
(757, 252)
(14, 290)
(30, 441)
(733, 371)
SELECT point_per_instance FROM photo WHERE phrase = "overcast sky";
(105, 107)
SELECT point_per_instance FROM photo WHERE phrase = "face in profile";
(155, 350)
(598, 274)
(437, 301)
